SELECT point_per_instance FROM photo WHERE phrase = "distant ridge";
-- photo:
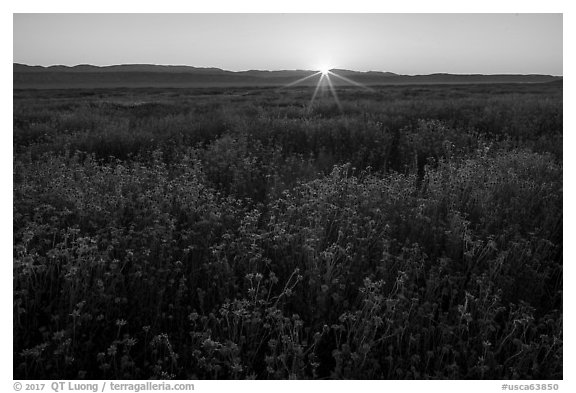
(151, 75)
(116, 68)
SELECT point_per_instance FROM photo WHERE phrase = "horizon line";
(274, 70)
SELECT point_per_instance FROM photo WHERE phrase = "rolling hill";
(150, 75)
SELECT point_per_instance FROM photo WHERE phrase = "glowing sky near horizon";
(400, 43)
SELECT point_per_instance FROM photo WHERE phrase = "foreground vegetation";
(414, 233)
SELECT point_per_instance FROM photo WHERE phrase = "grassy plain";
(414, 233)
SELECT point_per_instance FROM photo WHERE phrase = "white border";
(356, 6)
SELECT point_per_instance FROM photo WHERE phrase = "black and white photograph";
(287, 196)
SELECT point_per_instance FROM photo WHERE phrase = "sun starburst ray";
(333, 90)
(350, 81)
(301, 80)
(325, 73)
(316, 90)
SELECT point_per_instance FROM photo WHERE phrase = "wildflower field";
(413, 233)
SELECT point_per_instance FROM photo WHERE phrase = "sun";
(324, 70)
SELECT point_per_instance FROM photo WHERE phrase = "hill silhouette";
(150, 75)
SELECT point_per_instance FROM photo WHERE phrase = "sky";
(400, 43)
